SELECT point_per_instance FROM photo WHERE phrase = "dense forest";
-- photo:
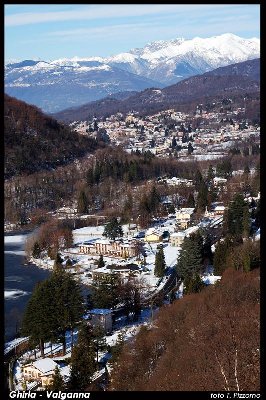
(205, 341)
(111, 181)
(33, 141)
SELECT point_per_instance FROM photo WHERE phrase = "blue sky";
(51, 31)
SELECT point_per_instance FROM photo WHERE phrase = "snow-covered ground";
(123, 326)
(210, 279)
(84, 264)
(15, 239)
(13, 343)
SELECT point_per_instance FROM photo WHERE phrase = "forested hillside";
(205, 341)
(237, 81)
(34, 141)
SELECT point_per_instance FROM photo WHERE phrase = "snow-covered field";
(84, 264)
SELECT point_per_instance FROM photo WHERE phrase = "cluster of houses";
(183, 227)
(156, 134)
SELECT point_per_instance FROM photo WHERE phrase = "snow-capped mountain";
(63, 83)
(172, 61)
(60, 84)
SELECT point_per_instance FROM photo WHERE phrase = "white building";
(183, 217)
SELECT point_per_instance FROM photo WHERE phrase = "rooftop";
(45, 365)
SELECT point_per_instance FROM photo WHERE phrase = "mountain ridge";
(68, 82)
(231, 80)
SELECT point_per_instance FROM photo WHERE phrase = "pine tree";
(82, 363)
(236, 219)
(190, 258)
(113, 229)
(101, 263)
(136, 304)
(246, 221)
(118, 347)
(210, 173)
(82, 207)
(190, 201)
(99, 340)
(154, 199)
(105, 288)
(221, 253)
(190, 149)
(160, 265)
(174, 143)
(58, 382)
(38, 322)
(61, 294)
(68, 303)
(198, 179)
(193, 284)
(202, 199)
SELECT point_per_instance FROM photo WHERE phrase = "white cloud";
(91, 12)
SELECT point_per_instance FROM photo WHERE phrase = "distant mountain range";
(62, 83)
(234, 80)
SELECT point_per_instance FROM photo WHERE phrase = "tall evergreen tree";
(221, 253)
(101, 263)
(82, 206)
(246, 221)
(105, 290)
(236, 219)
(68, 301)
(190, 149)
(210, 173)
(198, 179)
(190, 258)
(117, 348)
(190, 201)
(174, 143)
(38, 322)
(61, 294)
(160, 265)
(202, 199)
(154, 199)
(224, 169)
(82, 363)
(193, 284)
(99, 340)
(58, 382)
(113, 229)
